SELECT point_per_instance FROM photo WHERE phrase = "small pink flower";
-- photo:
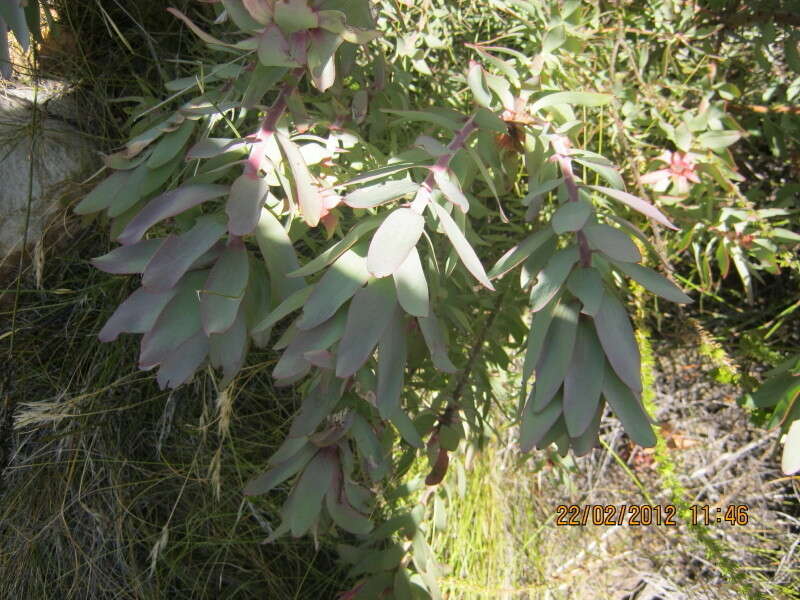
(680, 172)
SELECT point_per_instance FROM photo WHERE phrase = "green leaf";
(380, 173)
(432, 332)
(606, 170)
(279, 256)
(295, 15)
(554, 39)
(586, 284)
(571, 216)
(380, 193)
(579, 98)
(369, 314)
(170, 145)
(536, 338)
(487, 119)
(317, 405)
(127, 260)
(541, 189)
(363, 227)
(519, 253)
(344, 515)
(477, 85)
(369, 447)
(535, 425)
(426, 116)
(391, 365)
(411, 286)
(224, 289)
(553, 277)
(584, 443)
(556, 356)
(274, 50)
(306, 191)
(103, 194)
(636, 204)
(137, 314)
(616, 336)
(612, 242)
(321, 51)
(461, 245)
(718, 140)
(14, 16)
(346, 275)
(656, 283)
(292, 303)
(628, 409)
(245, 203)
(393, 241)
(584, 380)
(305, 502)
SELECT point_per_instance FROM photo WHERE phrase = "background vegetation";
(112, 488)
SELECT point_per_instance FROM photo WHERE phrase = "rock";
(61, 156)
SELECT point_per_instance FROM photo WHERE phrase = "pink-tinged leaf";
(227, 350)
(137, 314)
(224, 289)
(274, 49)
(170, 145)
(412, 288)
(208, 39)
(434, 338)
(318, 403)
(244, 204)
(347, 274)
(589, 439)
(212, 147)
(321, 53)
(184, 362)
(279, 256)
(168, 205)
(126, 260)
(344, 515)
(584, 381)
(370, 311)
(636, 204)
(462, 246)
(654, 282)
(391, 365)
(178, 252)
(556, 354)
(322, 359)
(393, 241)
(293, 361)
(178, 322)
(449, 186)
(616, 335)
(306, 189)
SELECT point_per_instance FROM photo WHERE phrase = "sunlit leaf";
(393, 241)
(578, 98)
(224, 289)
(411, 286)
(462, 247)
(245, 203)
(636, 204)
(616, 335)
(380, 193)
(279, 256)
(306, 189)
(656, 283)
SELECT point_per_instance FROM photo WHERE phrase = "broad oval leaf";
(171, 144)
(280, 472)
(636, 204)
(571, 216)
(586, 284)
(628, 409)
(616, 336)
(655, 282)
(224, 289)
(178, 253)
(392, 243)
(612, 242)
(370, 311)
(168, 205)
(411, 286)
(584, 381)
(461, 245)
(334, 288)
(182, 364)
(245, 203)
